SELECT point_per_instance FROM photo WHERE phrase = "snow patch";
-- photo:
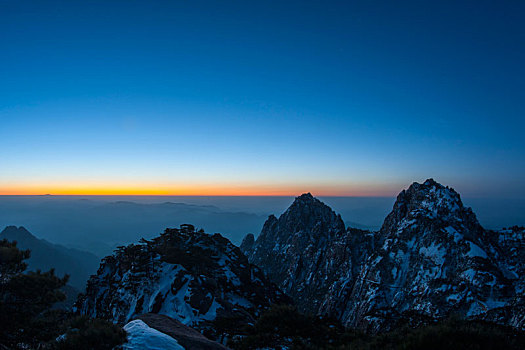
(476, 251)
(141, 337)
(434, 252)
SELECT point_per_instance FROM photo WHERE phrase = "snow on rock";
(187, 337)
(189, 275)
(143, 337)
(308, 250)
(441, 260)
(431, 258)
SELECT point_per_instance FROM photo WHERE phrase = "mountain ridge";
(201, 280)
(46, 255)
(431, 257)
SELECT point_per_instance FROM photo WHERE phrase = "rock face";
(307, 250)
(201, 280)
(247, 244)
(430, 259)
(511, 261)
(436, 260)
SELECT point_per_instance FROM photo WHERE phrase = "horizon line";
(184, 195)
(206, 190)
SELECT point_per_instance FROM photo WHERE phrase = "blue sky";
(247, 97)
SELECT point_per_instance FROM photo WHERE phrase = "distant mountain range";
(100, 226)
(431, 259)
(78, 264)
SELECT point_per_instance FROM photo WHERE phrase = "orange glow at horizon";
(197, 190)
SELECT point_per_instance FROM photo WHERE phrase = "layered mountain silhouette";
(99, 226)
(431, 259)
(78, 264)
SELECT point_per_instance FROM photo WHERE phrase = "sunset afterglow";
(257, 99)
(200, 190)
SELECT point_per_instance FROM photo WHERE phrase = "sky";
(350, 98)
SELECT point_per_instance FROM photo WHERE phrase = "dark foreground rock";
(201, 280)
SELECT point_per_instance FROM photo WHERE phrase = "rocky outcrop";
(436, 260)
(308, 249)
(430, 259)
(201, 280)
(509, 249)
(247, 244)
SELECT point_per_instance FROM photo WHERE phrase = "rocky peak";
(429, 198)
(307, 221)
(201, 280)
(247, 244)
(430, 259)
(430, 203)
(272, 220)
(434, 259)
(306, 197)
(304, 250)
(306, 212)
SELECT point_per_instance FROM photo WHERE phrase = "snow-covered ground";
(143, 337)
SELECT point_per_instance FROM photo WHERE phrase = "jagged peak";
(272, 217)
(429, 200)
(431, 193)
(247, 243)
(249, 238)
(431, 182)
(269, 222)
(305, 214)
(428, 184)
(307, 202)
(306, 196)
(308, 211)
(306, 199)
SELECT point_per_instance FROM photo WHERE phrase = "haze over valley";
(98, 224)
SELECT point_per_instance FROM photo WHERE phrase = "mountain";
(307, 250)
(78, 264)
(430, 259)
(201, 280)
(436, 260)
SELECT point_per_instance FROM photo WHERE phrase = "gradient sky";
(269, 97)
